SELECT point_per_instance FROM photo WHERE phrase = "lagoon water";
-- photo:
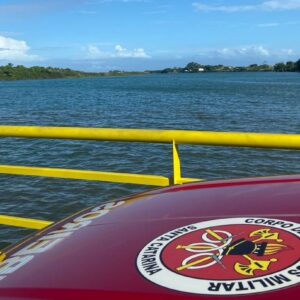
(257, 102)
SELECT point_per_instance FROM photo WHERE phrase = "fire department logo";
(225, 257)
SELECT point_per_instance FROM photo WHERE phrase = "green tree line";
(11, 72)
(289, 66)
(194, 67)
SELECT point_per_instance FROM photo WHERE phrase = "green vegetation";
(11, 72)
(290, 66)
(194, 67)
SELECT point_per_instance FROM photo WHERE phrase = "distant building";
(200, 69)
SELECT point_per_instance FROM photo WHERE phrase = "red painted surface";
(98, 261)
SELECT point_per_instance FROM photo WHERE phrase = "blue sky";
(100, 35)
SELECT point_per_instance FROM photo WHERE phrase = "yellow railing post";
(176, 164)
(177, 179)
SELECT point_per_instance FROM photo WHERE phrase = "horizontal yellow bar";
(240, 139)
(86, 175)
(186, 180)
(23, 222)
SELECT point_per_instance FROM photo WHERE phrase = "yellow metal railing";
(174, 137)
(23, 222)
(240, 139)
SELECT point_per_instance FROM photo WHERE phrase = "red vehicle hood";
(218, 239)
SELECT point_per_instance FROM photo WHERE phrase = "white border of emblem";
(169, 279)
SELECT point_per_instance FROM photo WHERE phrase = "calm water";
(228, 102)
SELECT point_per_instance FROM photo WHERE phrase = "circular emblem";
(225, 257)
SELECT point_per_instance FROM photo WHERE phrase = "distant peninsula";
(194, 67)
(19, 72)
(11, 72)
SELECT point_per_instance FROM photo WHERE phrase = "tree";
(193, 67)
(280, 67)
(297, 66)
(290, 66)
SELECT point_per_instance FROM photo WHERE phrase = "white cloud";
(243, 51)
(281, 4)
(271, 5)
(94, 52)
(15, 50)
(249, 53)
(136, 53)
(287, 52)
(223, 8)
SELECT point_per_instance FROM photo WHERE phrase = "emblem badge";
(225, 257)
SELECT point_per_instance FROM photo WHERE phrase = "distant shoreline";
(11, 72)
(194, 67)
